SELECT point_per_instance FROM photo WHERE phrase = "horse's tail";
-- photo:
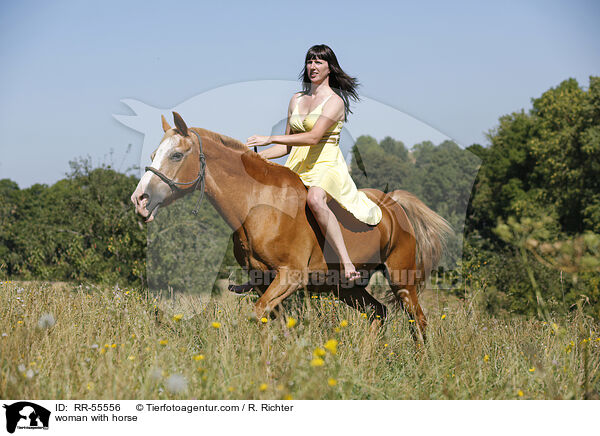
(431, 230)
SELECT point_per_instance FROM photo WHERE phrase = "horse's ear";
(164, 123)
(180, 124)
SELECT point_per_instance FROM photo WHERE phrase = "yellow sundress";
(323, 165)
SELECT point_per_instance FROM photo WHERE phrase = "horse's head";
(177, 168)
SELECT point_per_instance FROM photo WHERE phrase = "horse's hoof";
(239, 289)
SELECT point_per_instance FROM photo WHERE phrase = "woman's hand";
(258, 141)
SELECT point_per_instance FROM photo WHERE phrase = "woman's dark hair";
(341, 83)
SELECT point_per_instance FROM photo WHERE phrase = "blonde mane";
(234, 144)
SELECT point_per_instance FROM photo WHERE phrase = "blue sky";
(456, 66)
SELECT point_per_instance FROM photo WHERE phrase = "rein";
(200, 179)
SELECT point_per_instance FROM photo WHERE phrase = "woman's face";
(317, 70)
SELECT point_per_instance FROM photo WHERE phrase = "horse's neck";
(228, 186)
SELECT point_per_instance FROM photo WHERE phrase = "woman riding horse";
(314, 122)
(391, 232)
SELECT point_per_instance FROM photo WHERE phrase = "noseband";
(200, 179)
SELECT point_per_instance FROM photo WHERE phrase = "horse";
(275, 233)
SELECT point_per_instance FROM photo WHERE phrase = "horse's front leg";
(285, 283)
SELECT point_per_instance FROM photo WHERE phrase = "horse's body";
(274, 231)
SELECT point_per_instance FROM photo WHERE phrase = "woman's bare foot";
(350, 272)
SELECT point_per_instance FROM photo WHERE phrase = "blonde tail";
(431, 230)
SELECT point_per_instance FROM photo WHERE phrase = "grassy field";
(77, 342)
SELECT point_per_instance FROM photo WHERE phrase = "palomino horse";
(274, 231)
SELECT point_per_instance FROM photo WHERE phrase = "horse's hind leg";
(357, 297)
(403, 277)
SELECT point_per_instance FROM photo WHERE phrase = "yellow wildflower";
(531, 369)
(317, 362)
(263, 387)
(363, 315)
(90, 386)
(291, 322)
(486, 358)
(319, 352)
(113, 346)
(444, 316)
(331, 346)
(332, 382)
(177, 317)
(131, 357)
(231, 389)
(337, 329)
(163, 342)
(344, 323)
(216, 325)
(287, 397)
(199, 357)
(264, 320)
(520, 393)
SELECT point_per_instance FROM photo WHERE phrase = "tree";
(544, 163)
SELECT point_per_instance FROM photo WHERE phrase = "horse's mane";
(236, 145)
(228, 142)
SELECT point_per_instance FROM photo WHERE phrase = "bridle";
(175, 185)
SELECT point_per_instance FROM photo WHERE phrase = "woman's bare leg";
(317, 201)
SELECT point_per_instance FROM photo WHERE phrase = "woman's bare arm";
(278, 150)
(332, 111)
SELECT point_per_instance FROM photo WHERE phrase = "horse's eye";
(177, 156)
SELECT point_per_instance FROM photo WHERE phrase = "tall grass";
(80, 342)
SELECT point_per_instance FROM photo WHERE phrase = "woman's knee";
(316, 199)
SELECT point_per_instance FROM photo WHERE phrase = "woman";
(315, 119)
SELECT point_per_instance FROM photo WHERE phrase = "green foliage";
(538, 189)
(545, 163)
(80, 228)
(84, 228)
(569, 266)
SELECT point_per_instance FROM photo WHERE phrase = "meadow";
(68, 341)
